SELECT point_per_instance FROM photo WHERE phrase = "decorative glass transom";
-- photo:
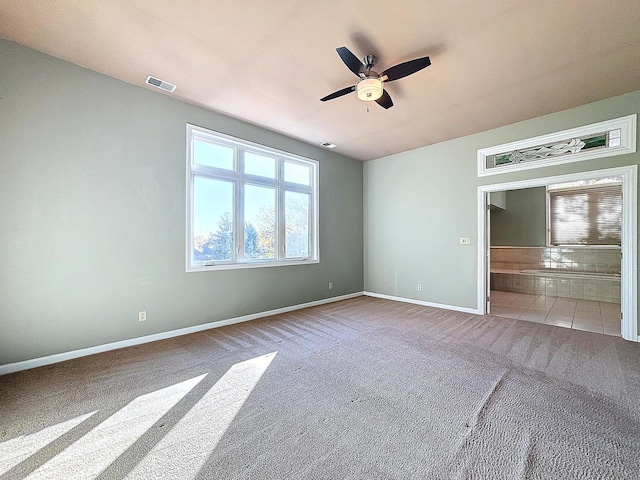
(611, 137)
(564, 147)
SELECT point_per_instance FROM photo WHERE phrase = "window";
(248, 205)
(586, 212)
(598, 140)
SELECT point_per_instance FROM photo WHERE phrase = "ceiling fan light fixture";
(369, 89)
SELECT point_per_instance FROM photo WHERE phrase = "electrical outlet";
(330, 285)
(419, 287)
(465, 241)
(142, 316)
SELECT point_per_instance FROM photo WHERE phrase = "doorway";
(628, 295)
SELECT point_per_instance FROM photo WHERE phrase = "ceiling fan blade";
(406, 68)
(339, 93)
(350, 60)
(385, 100)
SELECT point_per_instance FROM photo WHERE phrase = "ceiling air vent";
(328, 145)
(156, 82)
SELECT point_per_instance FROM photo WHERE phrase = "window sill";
(257, 264)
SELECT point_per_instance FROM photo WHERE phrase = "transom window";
(598, 140)
(248, 205)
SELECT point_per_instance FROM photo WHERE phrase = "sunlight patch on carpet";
(186, 448)
(18, 449)
(96, 450)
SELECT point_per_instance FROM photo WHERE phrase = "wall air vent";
(156, 82)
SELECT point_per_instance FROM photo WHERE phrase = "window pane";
(212, 154)
(260, 222)
(589, 215)
(296, 212)
(212, 220)
(255, 164)
(296, 173)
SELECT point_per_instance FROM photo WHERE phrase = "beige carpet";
(359, 389)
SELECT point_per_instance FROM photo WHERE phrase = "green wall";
(524, 222)
(417, 205)
(92, 211)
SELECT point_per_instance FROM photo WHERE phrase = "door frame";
(629, 266)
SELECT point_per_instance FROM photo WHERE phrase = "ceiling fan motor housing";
(370, 61)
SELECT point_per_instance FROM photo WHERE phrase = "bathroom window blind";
(590, 215)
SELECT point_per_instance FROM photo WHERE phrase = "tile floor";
(588, 315)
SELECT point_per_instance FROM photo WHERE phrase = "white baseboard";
(425, 304)
(61, 357)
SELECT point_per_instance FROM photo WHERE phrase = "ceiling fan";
(369, 88)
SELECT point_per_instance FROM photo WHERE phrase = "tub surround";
(564, 271)
(578, 259)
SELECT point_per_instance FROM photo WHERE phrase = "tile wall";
(579, 259)
(508, 262)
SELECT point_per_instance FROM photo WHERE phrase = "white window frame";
(239, 179)
(625, 142)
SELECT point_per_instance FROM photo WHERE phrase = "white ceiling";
(494, 62)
